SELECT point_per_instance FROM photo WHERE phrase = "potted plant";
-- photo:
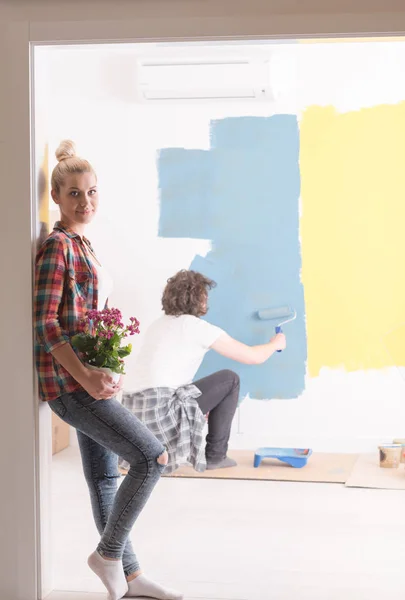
(99, 342)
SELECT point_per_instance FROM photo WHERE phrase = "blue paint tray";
(295, 457)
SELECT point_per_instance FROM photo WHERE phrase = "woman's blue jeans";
(107, 430)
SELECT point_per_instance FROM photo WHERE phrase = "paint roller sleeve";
(284, 312)
(268, 314)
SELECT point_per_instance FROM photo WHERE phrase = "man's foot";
(221, 464)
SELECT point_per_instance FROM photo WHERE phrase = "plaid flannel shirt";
(65, 289)
(175, 418)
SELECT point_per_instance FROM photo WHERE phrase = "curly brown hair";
(186, 293)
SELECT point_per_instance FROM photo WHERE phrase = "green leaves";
(125, 351)
(101, 351)
(115, 341)
(84, 342)
(103, 348)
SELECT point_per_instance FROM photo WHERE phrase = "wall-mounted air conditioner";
(198, 80)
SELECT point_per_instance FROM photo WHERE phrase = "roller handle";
(279, 330)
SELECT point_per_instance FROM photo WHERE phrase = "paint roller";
(277, 314)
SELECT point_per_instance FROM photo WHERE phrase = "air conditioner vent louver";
(203, 80)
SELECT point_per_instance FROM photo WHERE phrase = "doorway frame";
(30, 423)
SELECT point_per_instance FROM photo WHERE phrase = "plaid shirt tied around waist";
(175, 418)
(65, 289)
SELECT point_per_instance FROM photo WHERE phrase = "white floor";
(242, 540)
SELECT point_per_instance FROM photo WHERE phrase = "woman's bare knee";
(163, 459)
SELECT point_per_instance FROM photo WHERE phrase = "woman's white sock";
(142, 586)
(111, 574)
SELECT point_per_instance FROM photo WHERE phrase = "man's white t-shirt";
(172, 351)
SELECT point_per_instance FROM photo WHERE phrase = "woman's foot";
(144, 587)
(111, 574)
(221, 464)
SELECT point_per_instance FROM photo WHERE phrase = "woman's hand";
(99, 385)
(279, 341)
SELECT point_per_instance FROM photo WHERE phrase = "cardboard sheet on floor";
(321, 468)
(60, 434)
(367, 473)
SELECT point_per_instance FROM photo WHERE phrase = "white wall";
(67, 20)
(92, 100)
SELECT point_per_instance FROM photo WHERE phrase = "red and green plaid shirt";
(65, 289)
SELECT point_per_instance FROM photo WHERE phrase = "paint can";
(402, 442)
(390, 455)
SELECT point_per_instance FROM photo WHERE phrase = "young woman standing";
(69, 281)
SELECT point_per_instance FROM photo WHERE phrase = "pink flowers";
(134, 326)
(107, 322)
(106, 334)
(99, 338)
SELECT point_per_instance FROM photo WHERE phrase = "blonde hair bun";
(66, 149)
(68, 164)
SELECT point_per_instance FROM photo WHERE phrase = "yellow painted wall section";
(43, 188)
(43, 197)
(353, 236)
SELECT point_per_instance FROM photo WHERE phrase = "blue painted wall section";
(243, 194)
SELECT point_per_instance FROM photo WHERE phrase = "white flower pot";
(115, 376)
